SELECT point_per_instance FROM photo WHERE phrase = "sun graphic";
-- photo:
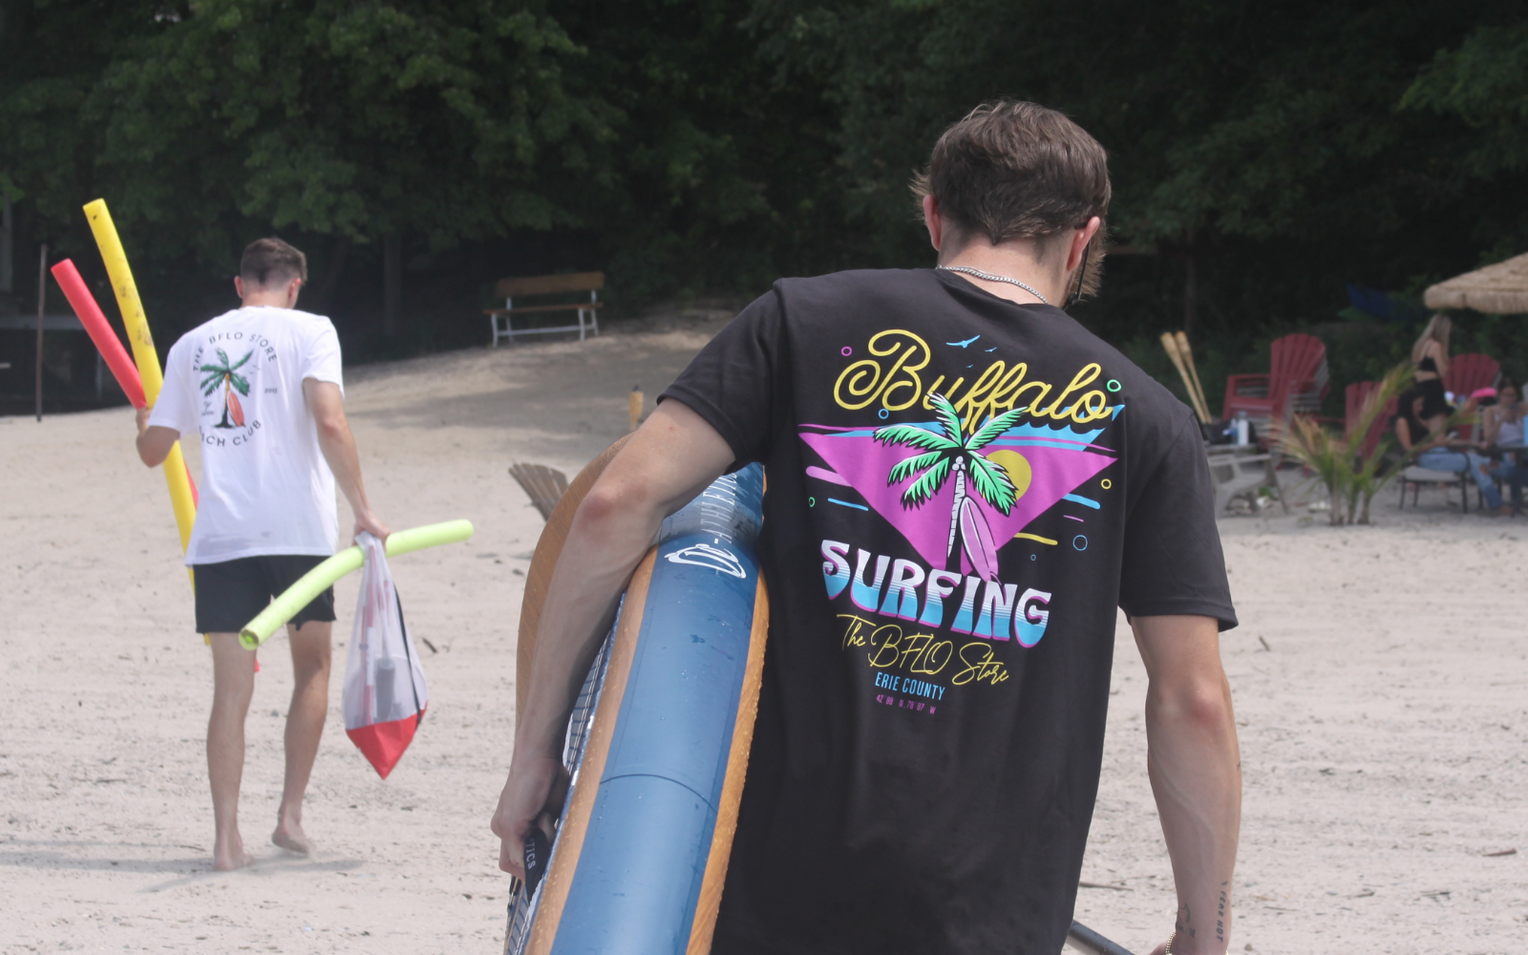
(1017, 467)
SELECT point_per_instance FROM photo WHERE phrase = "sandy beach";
(1380, 676)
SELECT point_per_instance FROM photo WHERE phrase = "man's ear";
(238, 287)
(933, 220)
(294, 288)
(1080, 240)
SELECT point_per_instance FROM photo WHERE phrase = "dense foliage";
(1264, 155)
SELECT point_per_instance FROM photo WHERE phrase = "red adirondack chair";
(1466, 373)
(1296, 382)
(1356, 394)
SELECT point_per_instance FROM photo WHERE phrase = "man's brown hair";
(272, 261)
(1017, 170)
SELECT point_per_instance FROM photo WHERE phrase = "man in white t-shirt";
(260, 388)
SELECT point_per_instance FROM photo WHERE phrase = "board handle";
(537, 851)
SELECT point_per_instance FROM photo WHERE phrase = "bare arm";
(671, 458)
(327, 405)
(1195, 768)
(1490, 424)
(1436, 436)
(154, 443)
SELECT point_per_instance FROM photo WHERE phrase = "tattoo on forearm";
(1181, 924)
(1220, 916)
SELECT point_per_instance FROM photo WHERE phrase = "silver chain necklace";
(994, 278)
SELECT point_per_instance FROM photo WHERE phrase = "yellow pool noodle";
(144, 355)
(320, 578)
(127, 297)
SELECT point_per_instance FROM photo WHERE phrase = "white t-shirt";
(235, 385)
(1510, 432)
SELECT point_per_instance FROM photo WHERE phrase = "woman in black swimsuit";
(1430, 358)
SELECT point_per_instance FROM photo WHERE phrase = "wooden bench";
(544, 286)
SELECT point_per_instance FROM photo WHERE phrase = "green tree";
(1482, 86)
(1256, 146)
(355, 119)
(723, 174)
(1484, 83)
(51, 59)
(207, 122)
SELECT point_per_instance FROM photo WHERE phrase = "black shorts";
(232, 593)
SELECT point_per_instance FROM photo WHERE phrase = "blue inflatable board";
(658, 745)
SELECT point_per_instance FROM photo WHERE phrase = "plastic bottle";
(386, 674)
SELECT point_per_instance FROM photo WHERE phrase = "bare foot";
(230, 855)
(290, 836)
(242, 860)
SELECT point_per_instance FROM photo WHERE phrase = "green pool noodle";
(322, 577)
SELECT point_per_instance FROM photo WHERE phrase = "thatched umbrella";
(1501, 288)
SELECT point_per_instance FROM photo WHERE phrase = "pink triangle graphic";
(863, 464)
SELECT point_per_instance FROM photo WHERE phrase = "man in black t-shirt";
(964, 485)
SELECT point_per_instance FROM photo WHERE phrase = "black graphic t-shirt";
(960, 492)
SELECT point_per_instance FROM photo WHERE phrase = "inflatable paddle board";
(658, 742)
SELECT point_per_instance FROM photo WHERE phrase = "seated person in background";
(1422, 435)
(1502, 423)
(1482, 400)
